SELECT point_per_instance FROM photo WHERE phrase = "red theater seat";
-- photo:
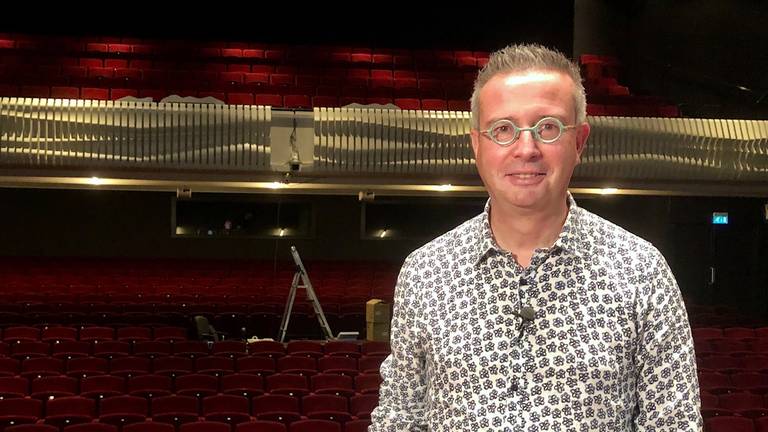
(408, 104)
(94, 93)
(274, 100)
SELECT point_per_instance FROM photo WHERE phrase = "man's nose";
(526, 145)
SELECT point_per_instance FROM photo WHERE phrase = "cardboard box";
(377, 331)
(377, 311)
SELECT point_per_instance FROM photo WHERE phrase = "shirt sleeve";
(667, 384)
(402, 393)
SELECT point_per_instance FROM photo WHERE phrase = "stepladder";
(301, 281)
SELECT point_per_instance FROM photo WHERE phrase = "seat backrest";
(261, 426)
(318, 402)
(321, 381)
(21, 406)
(91, 427)
(315, 426)
(70, 405)
(166, 404)
(367, 381)
(740, 400)
(363, 404)
(36, 427)
(149, 426)
(225, 403)
(196, 381)
(123, 404)
(256, 363)
(728, 424)
(275, 402)
(205, 426)
(141, 382)
(54, 383)
(102, 383)
(241, 381)
(357, 426)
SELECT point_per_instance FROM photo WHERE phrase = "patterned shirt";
(608, 347)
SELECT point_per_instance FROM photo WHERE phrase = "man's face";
(528, 175)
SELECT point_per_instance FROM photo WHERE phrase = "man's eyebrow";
(494, 120)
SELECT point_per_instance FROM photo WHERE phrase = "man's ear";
(474, 135)
(582, 133)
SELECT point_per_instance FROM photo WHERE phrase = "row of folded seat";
(210, 305)
(329, 303)
(73, 415)
(93, 71)
(745, 404)
(15, 302)
(231, 325)
(162, 52)
(238, 82)
(732, 364)
(192, 384)
(56, 334)
(85, 288)
(174, 365)
(74, 295)
(171, 344)
(76, 281)
(750, 343)
(442, 79)
(309, 425)
(259, 319)
(708, 333)
(734, 347)
(735, 424)
(292, 99)
(232, 409)
(734, 382)
(723, 319)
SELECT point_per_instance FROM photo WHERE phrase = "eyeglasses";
(547, 130)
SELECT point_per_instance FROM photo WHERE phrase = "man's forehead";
(530, 77)
(553, 82)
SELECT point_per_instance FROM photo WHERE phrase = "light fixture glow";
(95, 181)
(282, 232)
(275, 185)
(444, 187)
(383, 233)
(608, 191)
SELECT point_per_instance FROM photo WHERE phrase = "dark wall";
(353, 24)
(680, 227)
(98, 223)
(707, 56)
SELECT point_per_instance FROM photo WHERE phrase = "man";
(536, 315)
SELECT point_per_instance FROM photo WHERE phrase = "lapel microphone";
(526, 314)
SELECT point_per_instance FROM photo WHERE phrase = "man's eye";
(547, 127)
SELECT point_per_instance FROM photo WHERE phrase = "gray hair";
(525, 57)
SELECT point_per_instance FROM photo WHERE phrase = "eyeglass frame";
(533, 130)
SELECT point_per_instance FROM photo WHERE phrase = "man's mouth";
(525, 175)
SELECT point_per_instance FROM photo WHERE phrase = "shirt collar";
(572, 237)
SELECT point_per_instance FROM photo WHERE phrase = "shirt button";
(513, 387)
(523, 281)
